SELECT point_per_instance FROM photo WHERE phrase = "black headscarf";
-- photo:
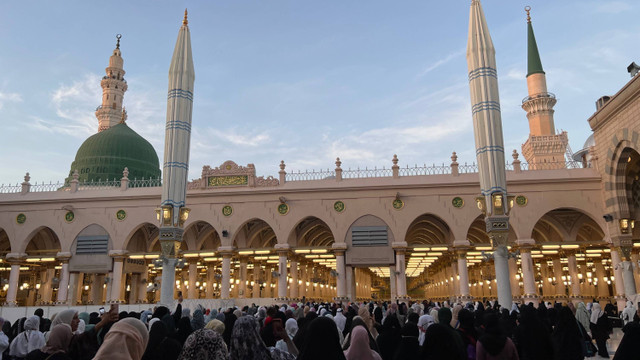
(377, 315)
(567, 338)
(439, 344)
(160, 346)
(493, 339)
(629, 347)
(532, 337)
(390, 336)
(303, 325)
(321, 341)
(229, 321)
(409, 346)
(160, 312)
(184, 330)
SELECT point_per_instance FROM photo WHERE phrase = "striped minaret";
(176, 157)
(487, 126)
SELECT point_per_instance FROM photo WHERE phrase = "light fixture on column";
(626, 225)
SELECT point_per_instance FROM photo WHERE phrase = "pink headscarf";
(359, 348)
(59, 340)
(126, 340)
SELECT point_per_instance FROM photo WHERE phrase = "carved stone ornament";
(121, 215)
(398, 204)
(227, 210)
(521, 200)
(283, 209)
(69, 216)
(21, 218)
(339, 206)
(457, 202)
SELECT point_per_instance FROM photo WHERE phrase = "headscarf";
(629, 347)
(444, 316)
(197, 322)
(184, 330)
(423, 324)
(144, 316)
(64, 317)
(359, 348)
(204, 344)
(186, 312)
(582, 315)
(246, 342)
(237, 313)
(59, 340)
(596, 312)
(454, 318)
(32, 339)
(126, 340)
(229, 321)
(409, 347)
(567, 337)
(81, 327)
(291, 327)
(493, 340)
(340, 319)
(153, 321)
(160, 346)
(216, 325)
(628, 313)
(434, 315)
(439, 343)
(329, 348)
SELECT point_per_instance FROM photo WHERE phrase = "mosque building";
(545, 226)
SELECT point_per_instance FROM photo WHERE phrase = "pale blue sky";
(300, 81)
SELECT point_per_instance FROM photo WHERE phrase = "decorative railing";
(395, 171)
(366, 173)
(425, 170)
(310, 175)
(539, 95)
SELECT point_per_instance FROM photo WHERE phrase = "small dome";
(577, 156)
(104, 156)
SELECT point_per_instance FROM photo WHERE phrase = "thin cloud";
(9, 97)
(613, 7)
(441, 62)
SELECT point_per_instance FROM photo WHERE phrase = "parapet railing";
(337, 174)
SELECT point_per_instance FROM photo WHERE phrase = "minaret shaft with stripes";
(173, 213)
(487, 127)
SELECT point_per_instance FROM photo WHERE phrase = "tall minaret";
(544, 149)
(176, 158)
(113, 85)
(487, 127)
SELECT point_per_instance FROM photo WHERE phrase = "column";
(256, 280)
(304, 278)
(618, 280)
(193, 278)
(528, 276)
(351, 283)
(211, 279)
(64, 283)
(282, 270)
(513, 271)
(72, 293)
(401, 286)
(96, 289)
(116, 283)
(226, 275)
(12, 292)
(636, 274)
(602, 289)
(242, 286)
(573, 275)
(134, 288)
(630, 289)
(557, 273)
(463, 272)
(143, 282)
(46, 288)
(341, 280)
(294, 278)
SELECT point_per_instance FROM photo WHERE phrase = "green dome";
(104, 156)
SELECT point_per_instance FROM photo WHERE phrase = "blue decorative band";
(180, 125)
(493, 190)
(485, 105)
(185, 94)
(171, 202)
(483, 71)
(489, 148)
(177, 164)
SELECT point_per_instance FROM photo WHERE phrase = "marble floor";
(612, 344)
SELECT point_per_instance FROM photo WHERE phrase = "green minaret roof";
(534, 65)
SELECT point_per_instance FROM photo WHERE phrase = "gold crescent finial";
(185, 21)
(528, 10)
(118, 43)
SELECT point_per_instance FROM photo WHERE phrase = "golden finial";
(528, 10)
(185, 21)
(118, 43)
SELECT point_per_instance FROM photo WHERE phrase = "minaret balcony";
(546, 95)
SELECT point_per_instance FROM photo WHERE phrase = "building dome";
(104, 156)
(580, 154)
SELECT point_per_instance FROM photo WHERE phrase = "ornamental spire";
(185, 21)
(113, 88)
(534, 65)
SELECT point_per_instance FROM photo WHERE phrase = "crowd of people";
(309, 330)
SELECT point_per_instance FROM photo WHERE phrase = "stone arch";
(254, 233)
(142, 238)
(42, 241)
(618, 193)
(566, 224)
(200, 235)
(428, 229)
(477, 233)
(311, 232)
(91, 230)
(5, 243)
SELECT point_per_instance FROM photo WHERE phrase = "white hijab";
(596, 312)
(423, 323)
(28, 340)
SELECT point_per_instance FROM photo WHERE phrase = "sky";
(299, 81)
